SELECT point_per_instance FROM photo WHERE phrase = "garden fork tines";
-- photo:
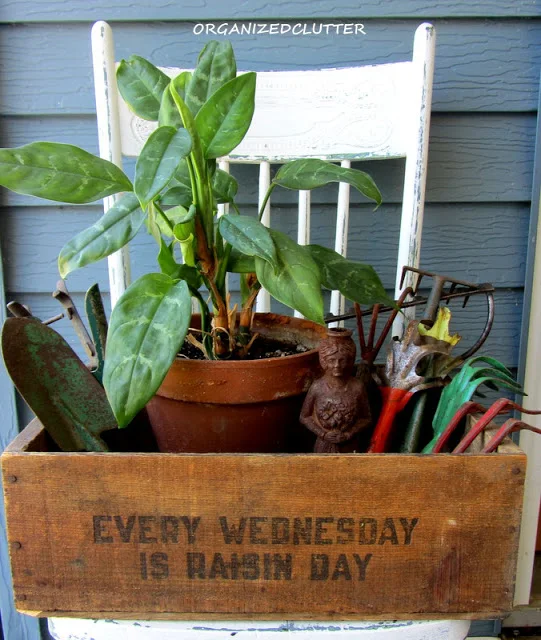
(456, 289)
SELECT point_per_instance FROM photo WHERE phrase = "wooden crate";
(151, 536)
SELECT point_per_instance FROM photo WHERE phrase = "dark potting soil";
(261, 348)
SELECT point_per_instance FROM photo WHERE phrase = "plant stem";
(205, 323)
(265, 200)
(164, 217)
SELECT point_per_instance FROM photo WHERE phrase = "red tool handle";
(394, 400)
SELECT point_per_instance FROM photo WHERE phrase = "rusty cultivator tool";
(501, 406)
(403, 380)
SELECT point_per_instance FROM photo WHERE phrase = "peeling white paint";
(77, 629)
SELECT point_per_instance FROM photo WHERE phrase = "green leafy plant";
(176, 190)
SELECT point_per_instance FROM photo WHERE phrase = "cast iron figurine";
(336, 408)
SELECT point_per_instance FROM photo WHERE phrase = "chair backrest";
(370, 112)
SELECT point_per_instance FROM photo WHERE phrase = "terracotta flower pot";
(249, 406)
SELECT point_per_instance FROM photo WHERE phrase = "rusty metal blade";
(56, 385)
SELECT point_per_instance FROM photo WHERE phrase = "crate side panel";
(327, 535)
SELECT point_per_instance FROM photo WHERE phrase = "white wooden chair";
(370, 112)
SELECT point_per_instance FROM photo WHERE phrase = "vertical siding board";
(15, 626)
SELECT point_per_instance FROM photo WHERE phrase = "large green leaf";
(60, 172)
(177, 196)
(215, 67)
(356, 281)
(224, 186)
(249, 236)
(311, 173)
(240, 263)
(189, 124)
(146, 331)
(296, 280)
(159, 160)
(224, 119)
(141, 84)
(169, 115)
(109, 234)
(181, 187)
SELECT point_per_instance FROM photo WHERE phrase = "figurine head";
(337, 353)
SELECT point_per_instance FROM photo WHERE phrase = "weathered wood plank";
(402, 537)
(480, 65)
(472, 158)
(14, 625)
(79, 10)
(451, 241)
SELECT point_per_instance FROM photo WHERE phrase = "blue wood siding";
(488, 57)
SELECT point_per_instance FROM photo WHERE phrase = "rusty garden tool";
(510, 426)
(56, 385)
(403, 381)
(456, 289)
(417, 421)
(503, 405)
(62, 295)
(369, 351)
(97, 321)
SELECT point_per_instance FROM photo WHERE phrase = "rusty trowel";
(57, 386)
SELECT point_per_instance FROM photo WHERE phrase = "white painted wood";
(338, 302)
(355, 112)
(418, 107)
(107, 105)
(529, 442)
(263, 304)
(73, 629)
(223, 208)
(303, 229)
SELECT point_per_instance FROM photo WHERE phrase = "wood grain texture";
(79, 10)
(380, 538)
(472, 158)
(480, 65)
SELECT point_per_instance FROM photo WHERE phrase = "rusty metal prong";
(385, 331)
(373, 324)
(509, 426)
(19, 310)
(360, 328)
(62, 295)
(467, 409)
(500, 406)
(53, 319)
(403, 275)
(419, 273)
(488, 327)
